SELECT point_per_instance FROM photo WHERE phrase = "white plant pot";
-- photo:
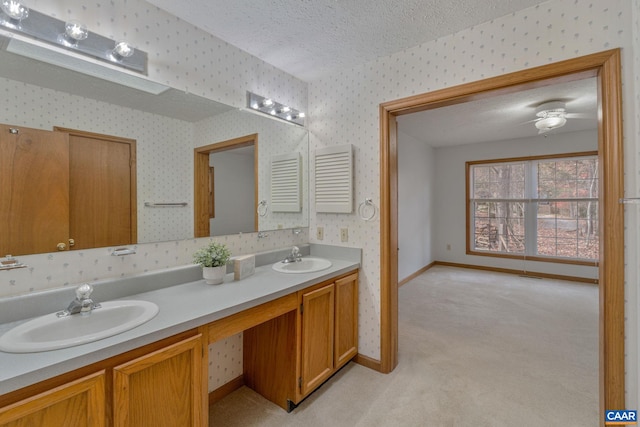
(214, 275)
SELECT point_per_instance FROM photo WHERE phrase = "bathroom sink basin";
(306, 265)
(50, 332)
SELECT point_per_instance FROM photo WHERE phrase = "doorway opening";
(605, 66)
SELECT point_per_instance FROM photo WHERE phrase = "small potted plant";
(213, 258)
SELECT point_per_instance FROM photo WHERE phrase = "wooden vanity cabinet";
(162, 388)
(160, 384)
(78, 403)
(317, 313)
(329, 330)
(289, 356)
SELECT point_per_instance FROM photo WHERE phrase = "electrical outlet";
(320, 233)
(448, 246)
(344, 234)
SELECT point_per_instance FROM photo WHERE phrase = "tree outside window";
(535, 207)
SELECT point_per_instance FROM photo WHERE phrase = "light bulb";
(14, 9)
(76, 30)
(267, 102)
(123, 50)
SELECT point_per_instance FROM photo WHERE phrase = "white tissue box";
(244, 266)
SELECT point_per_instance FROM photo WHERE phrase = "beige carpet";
(476, 349)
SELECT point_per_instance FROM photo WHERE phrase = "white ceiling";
(503, 117)
(310, 38)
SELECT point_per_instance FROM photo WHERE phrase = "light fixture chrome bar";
(40, 51)
(274, 109)
(52, 31)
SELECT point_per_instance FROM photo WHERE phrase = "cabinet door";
(346, 330)
(80, 403)
(163, 388)
(317, 337)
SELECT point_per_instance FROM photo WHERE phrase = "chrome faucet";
(81, 304)
(294, 256)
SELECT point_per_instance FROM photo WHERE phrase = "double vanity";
(299, 328)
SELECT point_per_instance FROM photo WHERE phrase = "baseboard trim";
(519, 272)
(226, 389)
(416, 274)
(368, 362)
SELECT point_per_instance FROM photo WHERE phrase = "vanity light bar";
(274, 109)
(55, 32)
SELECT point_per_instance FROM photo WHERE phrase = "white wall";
(416, 188)
(234, 192)
(451, 197)
(344, 107)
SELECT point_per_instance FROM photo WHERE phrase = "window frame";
(469, 211)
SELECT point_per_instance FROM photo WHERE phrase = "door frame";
(606, 67)
(133, 174)
(201, 223)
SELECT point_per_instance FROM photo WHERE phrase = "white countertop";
(182, 307)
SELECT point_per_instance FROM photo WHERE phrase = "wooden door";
(161, 389)
(102, 186)
(317, 337)
(80, 403)
(34, 190)
(346, 328)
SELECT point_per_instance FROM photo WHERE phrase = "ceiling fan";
(552, 115)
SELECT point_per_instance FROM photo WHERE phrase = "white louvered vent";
(334, 179)
(286, 182)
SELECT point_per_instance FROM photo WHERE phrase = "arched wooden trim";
(606, 67)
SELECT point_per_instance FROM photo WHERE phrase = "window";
(543, 208)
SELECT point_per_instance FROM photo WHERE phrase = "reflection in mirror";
(166, 128)
(226, 176)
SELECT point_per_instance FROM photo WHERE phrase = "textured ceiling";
(504, 117)
(309, 38)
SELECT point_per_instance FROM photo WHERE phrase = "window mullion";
(530, 209)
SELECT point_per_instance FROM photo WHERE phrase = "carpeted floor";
(475, 349)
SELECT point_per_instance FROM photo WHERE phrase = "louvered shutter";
(334, 179)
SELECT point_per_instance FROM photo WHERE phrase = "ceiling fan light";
(551, 122)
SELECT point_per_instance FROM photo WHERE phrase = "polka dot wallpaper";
(343, 108)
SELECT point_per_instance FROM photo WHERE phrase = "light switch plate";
(320, 233)
(344, 234)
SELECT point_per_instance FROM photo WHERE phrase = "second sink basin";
(306, 265)
(50, 332)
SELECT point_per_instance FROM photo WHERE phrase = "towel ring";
(362, 208)
(262, 208)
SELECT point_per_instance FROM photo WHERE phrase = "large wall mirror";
(165, 128)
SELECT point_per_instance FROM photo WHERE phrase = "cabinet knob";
(61, 246)
(72, 243)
